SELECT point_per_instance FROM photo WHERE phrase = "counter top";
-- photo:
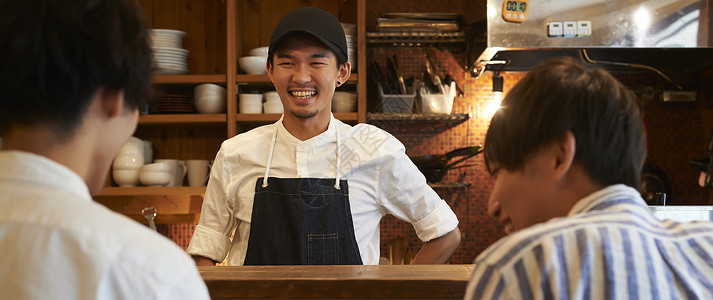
(320, 282)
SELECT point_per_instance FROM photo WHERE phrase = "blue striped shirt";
(610, 246)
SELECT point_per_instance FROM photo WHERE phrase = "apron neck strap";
(268, 164)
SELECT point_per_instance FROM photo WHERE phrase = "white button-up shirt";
(382, 180)
(57, 243)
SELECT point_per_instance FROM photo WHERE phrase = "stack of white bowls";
(250, 103)
(210, 98)
(351, 33)
(169, 56)
(255, 62)
(155, 174)
(126, 165)
(272, 104)
(344, 102)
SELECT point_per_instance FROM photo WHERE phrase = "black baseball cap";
(314, 21)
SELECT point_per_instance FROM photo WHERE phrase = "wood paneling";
(204, 24)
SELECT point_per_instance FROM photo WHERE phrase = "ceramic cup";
(178, 171)
(198, 171)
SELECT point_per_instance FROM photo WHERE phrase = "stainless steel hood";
(673, 35)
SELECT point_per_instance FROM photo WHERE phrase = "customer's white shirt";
(381, 178)
(57, 243)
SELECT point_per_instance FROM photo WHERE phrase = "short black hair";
(56, 54)
(560, 95)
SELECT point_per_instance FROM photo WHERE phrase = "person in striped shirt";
(566, 150)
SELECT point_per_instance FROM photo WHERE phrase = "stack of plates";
(169, 56)
(172, 104)
(350, 33)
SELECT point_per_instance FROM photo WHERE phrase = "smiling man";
(567, 188)
(310, 189)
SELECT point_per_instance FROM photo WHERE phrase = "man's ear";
(268, 70)
(345, 71)
(112, 102)
(564, 150)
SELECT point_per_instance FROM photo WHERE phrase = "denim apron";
(301, 221)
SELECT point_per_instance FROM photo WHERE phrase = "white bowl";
(125, 178)
(209, 89)
(272, 97)
(250, 98)
(210, 104)
(260, 51)
(128, 162)
(344, 102)
(253, 64)
(273, 107)
(156, 167)
(150, 178)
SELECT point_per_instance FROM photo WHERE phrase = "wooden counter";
(321, 282)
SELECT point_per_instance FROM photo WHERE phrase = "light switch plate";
(584, 28)
(570, 28)
(554, 29)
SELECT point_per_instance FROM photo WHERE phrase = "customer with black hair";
(73, 75)
(331, 183)
(566, 150)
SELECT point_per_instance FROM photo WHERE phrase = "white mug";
(178, 169)
(198, 171)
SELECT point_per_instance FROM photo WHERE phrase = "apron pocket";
(323, 249)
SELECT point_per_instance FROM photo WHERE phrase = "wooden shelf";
(189, 79)
(447, 185)
(173, 204)
(151, 191)
(170, 119)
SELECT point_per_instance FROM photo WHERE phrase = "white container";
(178, 171)
(344, 102)
(272, 97)
(151, 178)
(163, 166)
(273, 107)
(436, 104)
(198, 171)
(125, 178)
(208, 89)
(210, 104)
(253, 64)
(259, 51)
(250, 103)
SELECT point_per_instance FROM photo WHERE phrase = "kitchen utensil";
(435, 167)
(433, 74)
(380, 79)
(150, 213)
(393, 77)
(399, 75)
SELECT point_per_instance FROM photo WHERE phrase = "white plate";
(171, 58)
(168, 32)
(175, 51)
